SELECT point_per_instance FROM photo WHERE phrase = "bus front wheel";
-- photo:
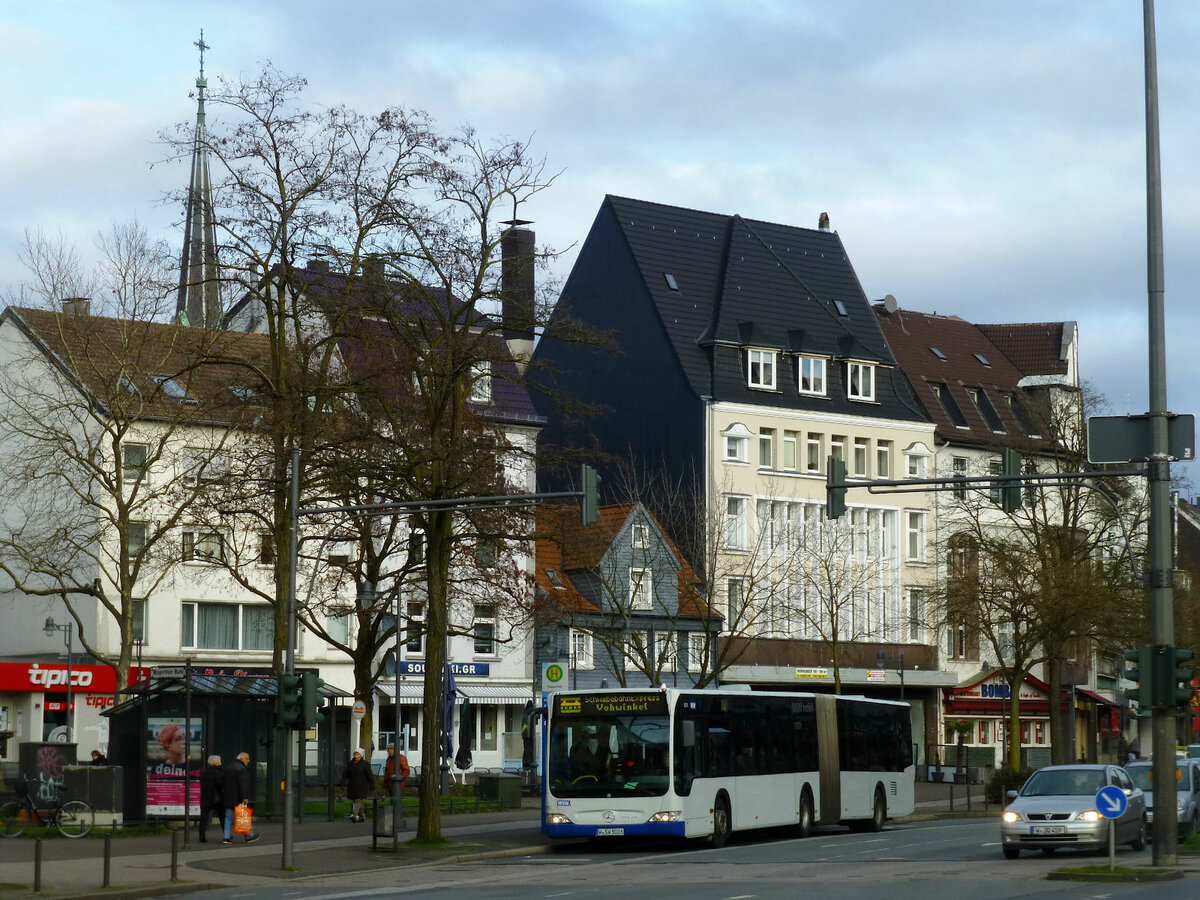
(722, 823)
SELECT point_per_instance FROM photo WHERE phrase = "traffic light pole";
(1162, 612)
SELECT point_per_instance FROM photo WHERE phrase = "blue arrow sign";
(1111, 802)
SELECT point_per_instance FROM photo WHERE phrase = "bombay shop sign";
(417, 667)
(997, 689)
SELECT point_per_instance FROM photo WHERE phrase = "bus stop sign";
(1123, 439)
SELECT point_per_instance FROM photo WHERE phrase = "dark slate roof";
(1035, 348)
(747, 283)
(949, 353)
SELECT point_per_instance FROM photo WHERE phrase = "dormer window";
(172, 388)
(811, 375)
(639, 533)
(860, 381)
(481, 383)
(737, 443)
(760, 365)
(984, 404)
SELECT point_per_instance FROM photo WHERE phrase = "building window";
(915, 536)
(134, 461)
(916, 615)
(790, 441)
(735, 523)
(766, 448)
(227, 626)
(960, 471)
(995, 467)
(984, 404)
(953, 412)
(139, 620)
(639, 533)
(837, 446)
(665, 658)
(416, 547)
(883, 459)
(635, 648)
(203, 546)
(138, 532)
(811, 375)
(266, 548)
(487, 552)
(481, 383)
(737, 443)
(860, 383)
(416, 628)
(485, 629)
(761, 369)
(202, 467)
(916, 465)
(337, 625)
(697, 646)
(812, 462)
(860, 457)
(641, 588)
(956, 640)
(581, 650)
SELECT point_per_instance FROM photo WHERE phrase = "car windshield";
(1143, 777)
(1063, 782)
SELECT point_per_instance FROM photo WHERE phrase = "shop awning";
(1099, 698)
(412, 693)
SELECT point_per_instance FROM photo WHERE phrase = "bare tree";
(93, 413)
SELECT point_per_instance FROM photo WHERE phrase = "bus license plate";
(609, 832)
(1048, 829)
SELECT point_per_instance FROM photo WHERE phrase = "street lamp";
(879, 664)
(50, 627)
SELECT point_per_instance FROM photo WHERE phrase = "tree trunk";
(1014, 724)
(429, 820)
(1059, 744)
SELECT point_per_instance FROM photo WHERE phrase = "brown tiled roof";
(106, 357)
(565, 545)
(1035, 348)
(948, 353)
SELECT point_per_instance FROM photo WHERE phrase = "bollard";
(174, 855)
(37, 866)
(107, 859)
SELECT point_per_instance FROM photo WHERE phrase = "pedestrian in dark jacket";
(360, 784)
(212, 788)
(236, 789)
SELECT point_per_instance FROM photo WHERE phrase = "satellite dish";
(889, 304)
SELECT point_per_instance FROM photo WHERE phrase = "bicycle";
(72, 818)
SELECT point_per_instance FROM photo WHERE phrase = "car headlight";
(1010, 816)
(558, 819)
(1181, 806)
(1089, 815)
(673, 815)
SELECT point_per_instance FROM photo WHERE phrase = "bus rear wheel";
(804, 823)
(722, 823)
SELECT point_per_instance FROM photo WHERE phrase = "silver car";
(1187, 792)
(1056, 808)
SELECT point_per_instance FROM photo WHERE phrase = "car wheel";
(1012, 852)
(1139, 842)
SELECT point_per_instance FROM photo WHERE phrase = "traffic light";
(310, 699)
(589, 504)
(835, 488)
(1010, 491)
(1140, 673)
(287, 702)
(1169, 671)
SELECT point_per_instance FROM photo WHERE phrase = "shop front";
(977, 712)
(37, 706)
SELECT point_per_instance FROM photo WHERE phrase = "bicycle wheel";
(13, 819)
(75, 819)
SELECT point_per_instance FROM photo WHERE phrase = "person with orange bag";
(237, 792)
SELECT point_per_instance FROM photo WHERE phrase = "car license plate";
(609, 832)
(1048, 829)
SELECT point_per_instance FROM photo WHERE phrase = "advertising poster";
(166, 765)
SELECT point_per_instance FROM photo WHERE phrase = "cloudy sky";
(984, 159)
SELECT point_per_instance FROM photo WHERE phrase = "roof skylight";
(671, 282)
(840, 307)
(982, 359)
(938, 353)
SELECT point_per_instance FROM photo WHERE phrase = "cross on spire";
(203, 46)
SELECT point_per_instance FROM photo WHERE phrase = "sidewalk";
(141, 866)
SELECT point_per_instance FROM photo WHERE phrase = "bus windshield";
(602, 755)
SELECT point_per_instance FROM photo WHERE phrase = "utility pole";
(1162, 613)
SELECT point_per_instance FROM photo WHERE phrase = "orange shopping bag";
(243, 819)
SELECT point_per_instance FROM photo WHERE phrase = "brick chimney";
(76, 306)
(516, 290)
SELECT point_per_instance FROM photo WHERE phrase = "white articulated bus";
(705, 763)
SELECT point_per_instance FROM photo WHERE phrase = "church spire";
(199, 300)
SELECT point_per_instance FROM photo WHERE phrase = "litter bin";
(502, 789)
